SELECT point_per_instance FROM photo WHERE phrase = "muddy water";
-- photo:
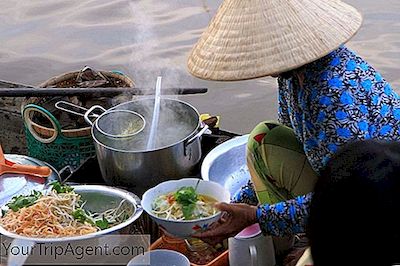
(146, 38)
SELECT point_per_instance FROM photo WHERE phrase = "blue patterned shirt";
(340, 98)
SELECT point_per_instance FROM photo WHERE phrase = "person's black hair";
(354, 214)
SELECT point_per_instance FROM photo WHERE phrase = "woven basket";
(53, 144)
(56, 81)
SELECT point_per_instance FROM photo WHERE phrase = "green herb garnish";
(188, 210)
(187, 197)
(102, 224)
(80, 215)
(60, 188)
(21, 201)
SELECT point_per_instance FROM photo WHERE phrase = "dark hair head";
(356, 204)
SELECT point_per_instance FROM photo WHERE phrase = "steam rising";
(176, 120)
(150, 49)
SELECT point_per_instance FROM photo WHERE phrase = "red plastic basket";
(179, 245)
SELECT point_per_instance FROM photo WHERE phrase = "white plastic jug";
(251, 247)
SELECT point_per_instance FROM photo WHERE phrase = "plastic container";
(179, 245)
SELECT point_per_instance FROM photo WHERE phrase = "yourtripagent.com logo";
(105, 250)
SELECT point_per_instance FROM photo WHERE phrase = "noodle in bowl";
(178, 226)
(97, 198)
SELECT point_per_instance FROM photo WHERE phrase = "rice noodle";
(166, 207)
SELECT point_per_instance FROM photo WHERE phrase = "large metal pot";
(176, 154)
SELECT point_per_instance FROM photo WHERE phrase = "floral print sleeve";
(284, 218)
(246, 195)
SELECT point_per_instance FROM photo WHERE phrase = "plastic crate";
(179, 245)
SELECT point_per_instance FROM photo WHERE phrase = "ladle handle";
(2, 158)
(41, 171)
(91, 109)
(59, 106)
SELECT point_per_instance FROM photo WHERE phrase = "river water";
(146, 38)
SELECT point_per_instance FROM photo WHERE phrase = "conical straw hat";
(255, 38)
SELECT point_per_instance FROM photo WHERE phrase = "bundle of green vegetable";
(187, 198)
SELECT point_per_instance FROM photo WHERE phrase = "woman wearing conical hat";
(328, 96)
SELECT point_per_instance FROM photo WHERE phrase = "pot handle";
(91, 109)
(192, 139)
(199, 134)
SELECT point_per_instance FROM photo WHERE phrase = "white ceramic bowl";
(185, 229)
(160, 257)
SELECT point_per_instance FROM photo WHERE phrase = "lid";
(17, 184)
(249, 232)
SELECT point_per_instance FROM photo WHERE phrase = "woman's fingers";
(205, 234)
(225, 207)
(215, 232)
(224, 230)
(234, 218)
(224, 217)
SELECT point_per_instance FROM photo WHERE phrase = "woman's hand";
(235, 217)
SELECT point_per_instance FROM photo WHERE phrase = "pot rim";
(159, 148)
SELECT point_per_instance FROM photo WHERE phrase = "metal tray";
(16, 184)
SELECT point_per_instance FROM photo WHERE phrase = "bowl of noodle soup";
(87, 211)
(186, 206)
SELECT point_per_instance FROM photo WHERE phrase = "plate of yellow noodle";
(64, 213)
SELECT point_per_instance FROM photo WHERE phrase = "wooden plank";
(92, 92)
(9, 84)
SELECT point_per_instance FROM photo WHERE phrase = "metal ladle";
(113, 124)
